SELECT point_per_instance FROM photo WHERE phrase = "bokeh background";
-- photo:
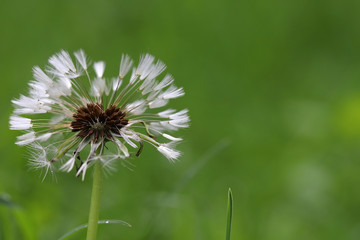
(273, 89)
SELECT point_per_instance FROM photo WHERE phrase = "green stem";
(95, 202)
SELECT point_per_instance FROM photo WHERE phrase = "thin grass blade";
(229, 214)
(77, 229)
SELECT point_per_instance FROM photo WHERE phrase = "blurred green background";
(273, 89)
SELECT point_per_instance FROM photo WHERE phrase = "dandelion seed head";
(71, 107)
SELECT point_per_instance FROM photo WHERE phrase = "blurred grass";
(278, 79)
(14, 222)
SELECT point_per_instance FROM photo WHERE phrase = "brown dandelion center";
(92, 121)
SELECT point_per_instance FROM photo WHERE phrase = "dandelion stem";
(95, 202)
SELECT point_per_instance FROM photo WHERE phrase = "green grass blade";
(229, 214)
(75, 230)
(6, 225)
(14, 223)
(24, 225)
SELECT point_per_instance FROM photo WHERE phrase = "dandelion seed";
(68, 111)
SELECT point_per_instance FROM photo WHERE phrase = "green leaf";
(75, 230)
(229, 214)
